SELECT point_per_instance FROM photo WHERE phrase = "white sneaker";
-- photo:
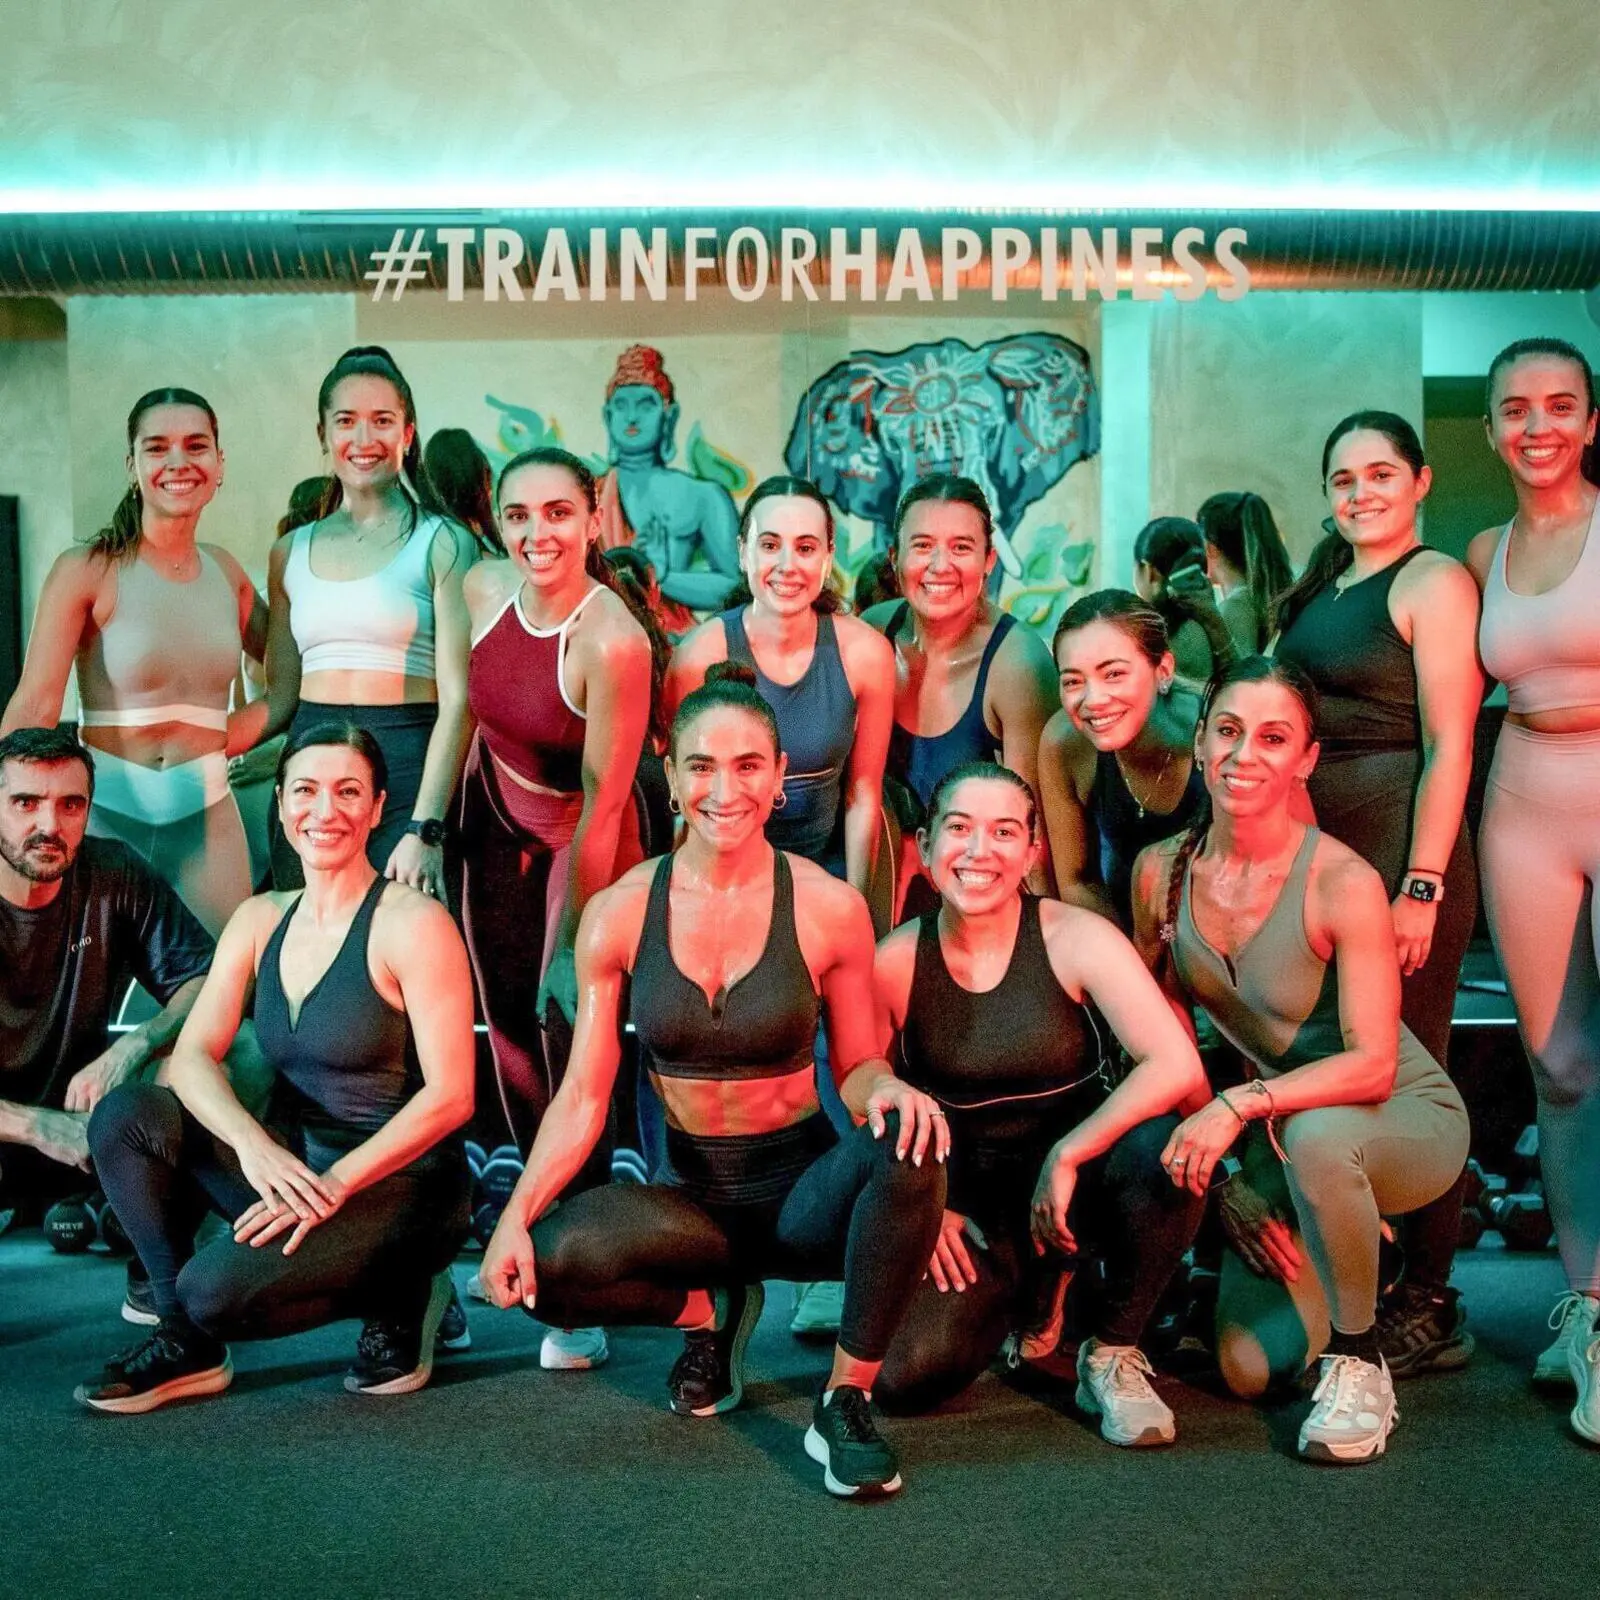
(1551, 1370)
(1583, 1362)
(1114, 1385)
(817, 1309)
(573, 1349)
(1353, 1411)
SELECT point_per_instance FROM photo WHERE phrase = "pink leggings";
(1539, 856)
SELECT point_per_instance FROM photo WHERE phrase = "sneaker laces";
(164, 1346)
(1564, 1315)
(701, 1358)
(1128, 1373)
(849, 1404)
(1345, 1376)
(377, 1342)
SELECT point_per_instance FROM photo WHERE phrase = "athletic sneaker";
(854, 1456)
(1114, 1385)
(177, 1361)
(139, 1302)
(573, 1349)
(397, 1357)
(1583, 1361)
(708, 1378)
(817, 1310)
(454, 1334)
(1420, 1331)
(1353, 1411)
(1552, 1370)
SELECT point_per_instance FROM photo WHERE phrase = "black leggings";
(373, 1259)
(1126, 1211)
(632, 1253)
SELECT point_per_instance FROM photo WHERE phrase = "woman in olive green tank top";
(1283, 936)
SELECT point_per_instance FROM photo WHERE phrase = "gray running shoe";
(1353, 1412)
(1114, 1385)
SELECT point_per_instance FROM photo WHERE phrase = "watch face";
(430, 832)
(1421, 889)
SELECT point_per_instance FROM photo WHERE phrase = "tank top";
(763, 1025)
(1348, 645)
(170, 652)
(349, 1060)
(380, 623)
(1277, 1000)
(816, 718)
(517, 691)
(1124, 828)
(921, 760)
(1545, 648)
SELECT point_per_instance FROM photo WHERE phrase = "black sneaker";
(1423, 1331)
(139, 1303)
(855, 1458)
(708, 1378)
(454, 1334)
(177, 1361)
(397, 1357)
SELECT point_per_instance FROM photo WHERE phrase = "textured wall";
(293, 102)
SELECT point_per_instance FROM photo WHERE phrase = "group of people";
(964, 970)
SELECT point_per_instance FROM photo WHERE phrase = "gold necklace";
(1155, 788)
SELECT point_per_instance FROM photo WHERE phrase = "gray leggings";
(1349, 1166)
(1539, 854)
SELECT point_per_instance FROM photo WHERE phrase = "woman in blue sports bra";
(729, 948)
(961, 666)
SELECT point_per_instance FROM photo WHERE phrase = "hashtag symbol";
(399, 265)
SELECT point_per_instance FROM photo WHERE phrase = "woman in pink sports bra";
(155, 624)
(1539, 846)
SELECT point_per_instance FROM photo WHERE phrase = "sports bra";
(921, 760)
(170, 652)
(517, 692)
(349, 1060)
(1277, 1000)
(816, 719)
(1545, 648)
(380, 623)
(1124, 828)
(763, 1025)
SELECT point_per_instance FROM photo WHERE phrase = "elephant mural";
(1014, 415)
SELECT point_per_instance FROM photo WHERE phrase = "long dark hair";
(1332, 553)
(1241, 526)
(1165, 544)
(1562, 351)
(1246, 669)
(336, 731)
(598, 568)
(373, 361)
(459, 473)
(783, 486)
(119, 539)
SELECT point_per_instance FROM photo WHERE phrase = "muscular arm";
(66, 604)
(1022, 695)
(1068, 830)
(59, 1135)
(252, 608)
(1152, 877)
(132, 1052)
(267, 717)
(869, 665)
(453, 553)
(692, 658)
(838, 918)
(418, 943)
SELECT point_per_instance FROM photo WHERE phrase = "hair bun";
(731, 672)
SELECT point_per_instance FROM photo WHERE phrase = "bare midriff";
(163, 744)
(710, 1108)
(356, 688)
(1569, 719)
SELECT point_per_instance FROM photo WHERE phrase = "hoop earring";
(781, 800)
(673, 806)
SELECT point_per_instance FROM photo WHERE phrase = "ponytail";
(1241, 527)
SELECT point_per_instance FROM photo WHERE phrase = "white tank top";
(380, 623)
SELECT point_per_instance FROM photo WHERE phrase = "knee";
(1134, 1169)
(903, 1177)
(1564, 1072)
(908, 1389)
(1242, 1360)
(216, 1296)
(133, 1115)
(1322, 1155)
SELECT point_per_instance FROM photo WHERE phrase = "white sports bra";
(380, 623)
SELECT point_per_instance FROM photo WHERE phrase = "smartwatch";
(1423, 889)
(430, 830)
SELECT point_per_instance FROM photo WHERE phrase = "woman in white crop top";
(1539, 845)
(155, 624)
(368, 623)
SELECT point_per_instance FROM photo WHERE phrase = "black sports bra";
(764, 1025)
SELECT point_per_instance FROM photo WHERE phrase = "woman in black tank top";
(351, 1200)
(725, 946)
(991, 997)
(1386, 630)
(1116, 762)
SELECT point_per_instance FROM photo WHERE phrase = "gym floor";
(502, 1479)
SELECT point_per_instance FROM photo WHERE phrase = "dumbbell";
(627, 1166)
(491, 1193)
(476, 1159)
(1523, 1220)
(504, 1152)
(71, 1225)
(1494, 1187)
(1525, 1156)
(112, 1235)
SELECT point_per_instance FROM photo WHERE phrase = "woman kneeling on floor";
(1283, 935)
(990, 997)
(352, 1200)
(728, 943)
